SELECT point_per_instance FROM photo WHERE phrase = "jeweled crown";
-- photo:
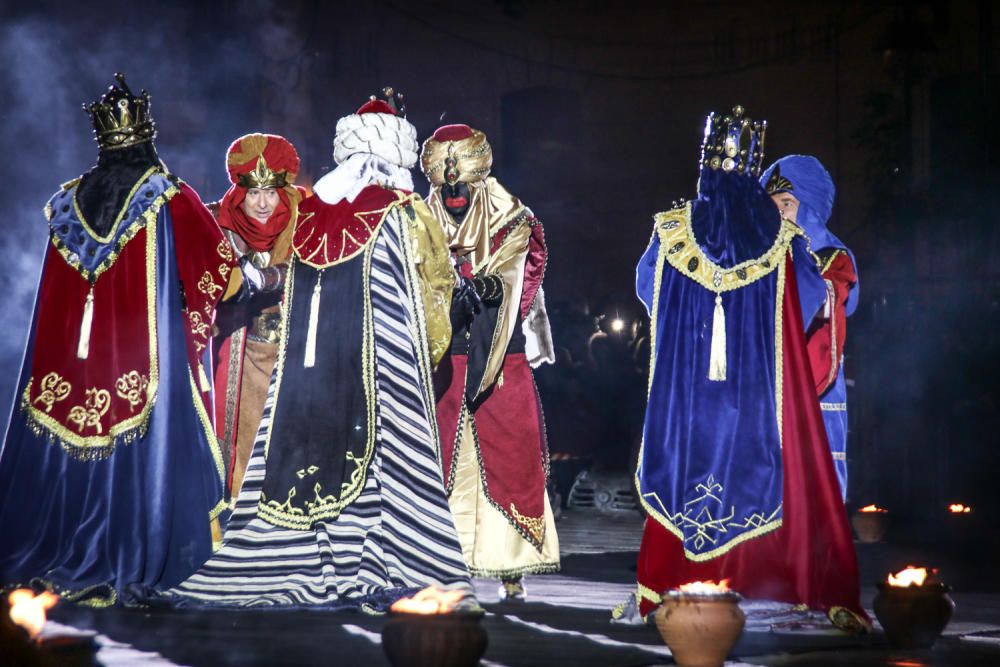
(120, 118)
(733, 142)
(263, 177)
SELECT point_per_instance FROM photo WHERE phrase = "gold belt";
(266, 327)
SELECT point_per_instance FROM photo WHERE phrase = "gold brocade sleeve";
(437, 278)
(508, 263)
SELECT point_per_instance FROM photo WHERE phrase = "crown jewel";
(263, 177)
(733, 143)
(120, 118)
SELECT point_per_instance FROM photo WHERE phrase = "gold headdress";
(456, 153)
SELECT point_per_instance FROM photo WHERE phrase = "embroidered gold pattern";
(53, 389)
(673, 227)
(708, 526)
(685, 255)
(535, 525)
(225, 252)
(199, 326)
(207, 286)
(132, 387)
(284, 514)
(94, 407)
(224, 271)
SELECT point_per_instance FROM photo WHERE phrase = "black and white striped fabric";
(399, 534)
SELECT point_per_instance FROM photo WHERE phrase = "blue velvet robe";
(95, 531)
(710, 470)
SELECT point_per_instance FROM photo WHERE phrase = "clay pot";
(700, 629)
(456, 639)
(870, 526)
(913, 616)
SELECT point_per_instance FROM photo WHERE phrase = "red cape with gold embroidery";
(89, 404)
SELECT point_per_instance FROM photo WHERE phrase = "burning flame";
(959, 508)
(911, 576)
(28, 609)
(705, 587)
(431, 600)
(872, 508)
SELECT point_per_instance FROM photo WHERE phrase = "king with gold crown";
(110, 474)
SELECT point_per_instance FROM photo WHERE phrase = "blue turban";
(804, 177)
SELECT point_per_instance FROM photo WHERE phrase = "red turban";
(261, 160)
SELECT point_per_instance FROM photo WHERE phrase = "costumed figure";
(110, 476)
(803, 192)
(257, 215)
(343, 502)
(735, 472)
(492, 429)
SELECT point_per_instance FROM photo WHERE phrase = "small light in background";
(618, 325)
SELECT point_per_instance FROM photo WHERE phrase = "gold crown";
(263, 177)
(733, 142)
(120, 118)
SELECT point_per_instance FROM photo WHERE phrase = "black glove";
(465, 304)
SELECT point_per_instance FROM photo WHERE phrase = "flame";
(705, 587)
(911, 576)
(872, 508)
(431, 600)
(28, 609)
(959, 508)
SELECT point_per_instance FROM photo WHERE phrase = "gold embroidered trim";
(669, 236)
(829, 260)
(535, 525)
(779, 351)
(211, 438)
(418, 330)
(143, 220)
(321, 248)
(121, 213)
(102, 445)
(642, 592)
(528, 536)
(496, 573)
(684, 254)
(283, 514)
(703, 522)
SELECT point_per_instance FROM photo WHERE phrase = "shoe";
(627, 613)
(512, 591)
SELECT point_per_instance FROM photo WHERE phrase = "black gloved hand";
(465, 304)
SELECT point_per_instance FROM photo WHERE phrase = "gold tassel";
(83, 346)
(203, 379)
(310, 359)
(717, 361)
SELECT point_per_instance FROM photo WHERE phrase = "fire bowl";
(700, 628)
(913, 616)
(453, 639)
(870, 526)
